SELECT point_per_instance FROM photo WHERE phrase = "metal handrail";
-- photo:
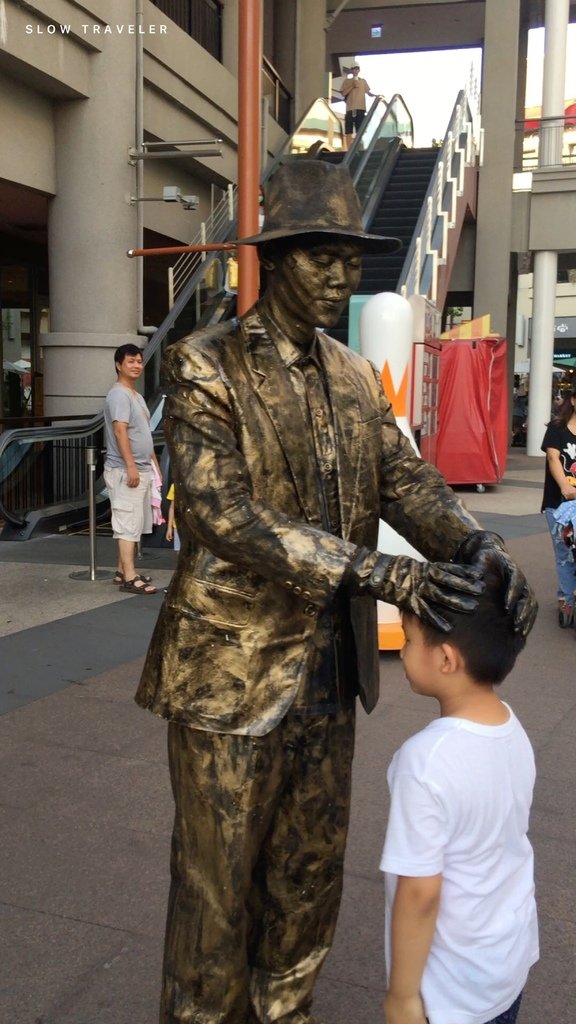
(557, 134)
(382, 116)
(215, 229)
(428, 248)
(385, 139)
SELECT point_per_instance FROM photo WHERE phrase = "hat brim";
(370, 243)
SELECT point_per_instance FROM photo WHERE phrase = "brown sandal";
(119, 578)
(137, 586)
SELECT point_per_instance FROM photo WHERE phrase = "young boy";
(461, 927)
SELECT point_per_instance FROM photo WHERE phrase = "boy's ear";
(451, 660)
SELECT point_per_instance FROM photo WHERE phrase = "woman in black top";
(560, 485)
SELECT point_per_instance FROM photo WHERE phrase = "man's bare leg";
(126, 558)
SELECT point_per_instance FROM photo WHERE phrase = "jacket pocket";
(211, 603)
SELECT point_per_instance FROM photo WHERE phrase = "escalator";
(397, 215)
(43, 477)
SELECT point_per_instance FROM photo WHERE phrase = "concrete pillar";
(93, 285)
(542, 351)
(546, 263)
(310, 54)
(230, 37)
(284, 40)
(499, 88)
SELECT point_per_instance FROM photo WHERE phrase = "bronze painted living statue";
(285, 454)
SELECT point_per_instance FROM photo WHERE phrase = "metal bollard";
(91, 463)
(92, 574)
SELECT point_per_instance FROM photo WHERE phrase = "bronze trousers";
(256, 865)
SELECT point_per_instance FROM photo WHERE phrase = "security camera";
(171, 194)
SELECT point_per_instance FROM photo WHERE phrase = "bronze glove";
(416, 586)
(520, 598)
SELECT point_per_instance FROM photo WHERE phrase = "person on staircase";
(354, 90)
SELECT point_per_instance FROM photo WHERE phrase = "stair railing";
(429, 247)
(215, 228)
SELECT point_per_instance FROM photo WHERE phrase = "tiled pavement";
(86, 808)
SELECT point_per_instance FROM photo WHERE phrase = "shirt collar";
(289, 353)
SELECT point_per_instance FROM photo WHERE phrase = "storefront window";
(23, 315)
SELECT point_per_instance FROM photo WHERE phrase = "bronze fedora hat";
(312, 197)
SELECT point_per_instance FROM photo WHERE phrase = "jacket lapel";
(272, 382)
(342, 385)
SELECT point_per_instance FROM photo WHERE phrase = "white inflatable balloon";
(386, 339)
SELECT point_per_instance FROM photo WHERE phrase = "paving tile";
(59, 970)
(86, 808)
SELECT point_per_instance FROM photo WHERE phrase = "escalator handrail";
(380, 183)
(27, 436)
(461, 100)
(389, 112)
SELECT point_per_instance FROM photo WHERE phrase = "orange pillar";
(249, 73)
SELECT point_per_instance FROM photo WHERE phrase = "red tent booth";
(473, 411)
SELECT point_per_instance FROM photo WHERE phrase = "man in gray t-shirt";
(128, 467)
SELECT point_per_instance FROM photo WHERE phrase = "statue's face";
(312, 286)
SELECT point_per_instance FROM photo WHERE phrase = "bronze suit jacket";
(255, 569)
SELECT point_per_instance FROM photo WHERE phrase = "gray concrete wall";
(310, 54)
(553, 210)
(27, 121)
(499, 105)
(67, 104)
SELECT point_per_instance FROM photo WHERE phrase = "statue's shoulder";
(342, 353)
(196, 352)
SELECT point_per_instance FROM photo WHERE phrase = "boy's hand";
(403, 1010)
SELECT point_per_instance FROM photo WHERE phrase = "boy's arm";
(157, 465)
(414, 914)
(170, 523)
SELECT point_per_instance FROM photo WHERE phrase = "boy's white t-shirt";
(460, 802)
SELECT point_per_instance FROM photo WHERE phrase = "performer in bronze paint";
(285, 454)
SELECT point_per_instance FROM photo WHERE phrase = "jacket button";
(306, 594)
(288, 585)
(297, 590)
(310, 609)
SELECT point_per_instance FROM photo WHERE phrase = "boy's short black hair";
(126, 350)
(486, 638)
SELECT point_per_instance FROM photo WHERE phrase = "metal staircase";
(43, 470)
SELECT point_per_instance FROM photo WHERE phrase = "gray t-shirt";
(129, 407)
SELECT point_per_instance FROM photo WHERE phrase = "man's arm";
(216, 499)
(418, 503)
(414, 916)
(123, 442)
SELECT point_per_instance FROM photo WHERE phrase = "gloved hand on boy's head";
(416, 586)
(520, 599)
(419, 587)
